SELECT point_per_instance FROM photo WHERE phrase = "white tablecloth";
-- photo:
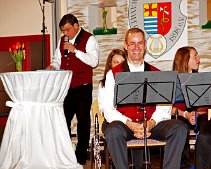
(36, 134)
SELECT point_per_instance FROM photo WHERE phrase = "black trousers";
(173, 131)
(185, 159)
(78, 101)
(203, 147)
(201, 120)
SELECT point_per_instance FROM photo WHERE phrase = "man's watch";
(75, 51)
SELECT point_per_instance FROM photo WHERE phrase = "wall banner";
(164, 23)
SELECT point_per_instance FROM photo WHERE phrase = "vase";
(18, 66)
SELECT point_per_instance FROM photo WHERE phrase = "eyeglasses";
(66, 30)
(134, 44)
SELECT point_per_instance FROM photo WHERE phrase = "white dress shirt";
(90, 57)
(162, 112)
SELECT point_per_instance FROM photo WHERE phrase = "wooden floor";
(155, 158)
(155, 161)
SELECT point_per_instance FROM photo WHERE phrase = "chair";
(192, 139)
(132, 144)
(137, 143)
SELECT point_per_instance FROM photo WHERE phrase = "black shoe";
(81, 157)
(82, 162)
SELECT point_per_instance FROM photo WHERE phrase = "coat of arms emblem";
(162, 22)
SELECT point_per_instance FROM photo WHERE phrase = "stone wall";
(197, 37)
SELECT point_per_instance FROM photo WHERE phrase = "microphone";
(66, 39)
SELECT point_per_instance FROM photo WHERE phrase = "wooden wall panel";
(209, 9)
(33, 60)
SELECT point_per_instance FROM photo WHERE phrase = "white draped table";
(36, 134)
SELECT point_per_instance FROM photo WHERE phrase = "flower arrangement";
(18, 53)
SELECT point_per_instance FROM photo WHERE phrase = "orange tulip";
(18, 45)
(15, 51)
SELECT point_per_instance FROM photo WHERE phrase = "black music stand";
(196, 88)
(179, 97)
(145, 88)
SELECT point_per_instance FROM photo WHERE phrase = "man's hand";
(150, 124)
(50, 68)
(191, 117)
(69, 46)
(133, 125)
(138, 128)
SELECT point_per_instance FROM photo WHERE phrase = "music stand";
(179, 97)
(145, 88)
(196, 88)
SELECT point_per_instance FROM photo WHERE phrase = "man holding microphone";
(78, 51)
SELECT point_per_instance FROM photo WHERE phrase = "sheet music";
(196, 88)
(129, 87)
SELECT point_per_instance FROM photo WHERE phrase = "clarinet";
(96, 147)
